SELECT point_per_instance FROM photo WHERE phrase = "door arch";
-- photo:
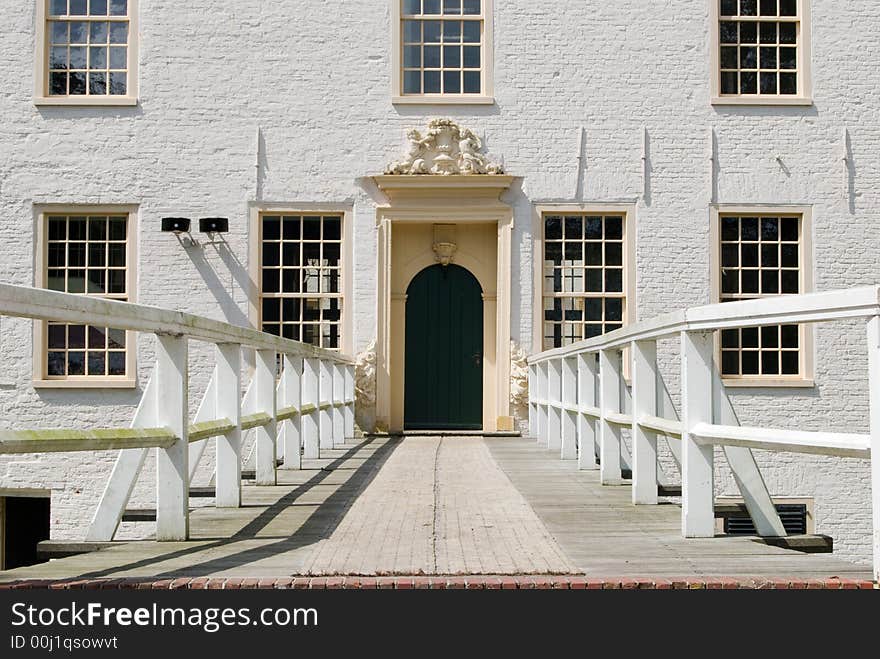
(443, 373)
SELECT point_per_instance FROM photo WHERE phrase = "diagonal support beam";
(124, 476)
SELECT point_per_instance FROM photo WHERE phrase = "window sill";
(86, 101)
(458, 99)
(762, 100)
(97, 383)
(768, 383)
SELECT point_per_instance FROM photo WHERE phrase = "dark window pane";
(97, 281)
(412, 82)
(787, 33)
(291, 228)
(97, 363)
(790, 282)
(593, 254)
(769, 228)
(788, 7)
(77, 84)
(275, 330)
(553, 228)
(76, 281)
(97, 338)
(56, 363)
(769, 256)
(730, 339)
(770, 363)
(790, 336)
(431, 56)
(593, 309)
(271, 228)
(311, 228)
(471, 32)
(97, 254)
(574, 251)
(748, 57)
(729, 32)
(271, 281)
(750, 282)
(729, 7)
(57, 336)
(730, 362)
(614, 281)
(472, 7)
(790, 256)
(593, 280)
(118, 7)
(730, 282)
(614, 309)
(76, 363)
(768, 32)
(790, 229)
(291, 280)
(116, 282)
(592, 331)
(97, 84)
(452, 32)
(332, 228)
(574, 228)
(57, 228)
(432, 31)
(614, 254)
(768, 57)
(750, 362)
(271, 310)
(749, 337)
(788, 83)
(613, 228)
(57, 255)
(451, 82)
(593, 228)
(748, 33)
(472, 82)
(271, 254)
(553, 252)
(290, 254)
(768, 8)
(729, 83)
(729, 256)
(749, 228)
(748, 7)
(748, 83)
(790, 363)
(115, 338)
(432, 82)
(729, 228)
(770, 337)
(472, 57)
(768, 83)
(749, 256)
(728, 57)
(116, 363)
(118, 228)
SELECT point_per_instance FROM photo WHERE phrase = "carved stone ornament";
(445, 252)
(445, 149)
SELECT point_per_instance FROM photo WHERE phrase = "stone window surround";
(804, 69)
(40, 380)
(41, 70)
(628, 210)
(346, 211)
(487, 69)
(806, 378)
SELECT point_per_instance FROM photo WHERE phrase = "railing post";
(874, 397)
(644, 402)
(228, 481)
(172, 411)
(533, 400)
(569, 402)
(291, 383)
(697, 461)
(588, 375)
(554, 401)
(325, 404)
(542, 404)
(610, 377)
(338, 402)
(349, 402)
(309, 420)
(266, 436)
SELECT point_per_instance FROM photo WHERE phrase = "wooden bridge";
(444, 505)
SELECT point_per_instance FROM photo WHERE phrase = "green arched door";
(444, 351)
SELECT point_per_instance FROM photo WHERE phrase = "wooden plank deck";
(439, 506)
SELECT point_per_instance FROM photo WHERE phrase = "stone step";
(51, 549)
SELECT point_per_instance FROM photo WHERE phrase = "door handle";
(478, 359)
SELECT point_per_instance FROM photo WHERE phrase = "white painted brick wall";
(314, 75)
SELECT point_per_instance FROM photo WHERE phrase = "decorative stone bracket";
(445, 149)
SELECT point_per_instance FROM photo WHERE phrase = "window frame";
(255, 253)
(41, 69)
(804, 97)
(486, 97)
(41, 380)
(628, 211)
(806, 377)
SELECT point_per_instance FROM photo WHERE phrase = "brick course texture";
(501, 582)
(314, 77)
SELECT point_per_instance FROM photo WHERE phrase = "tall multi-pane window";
(761, 256)
(86, 254)
(442, 47)
(301, 278)
(584, 276)
(87, 50)
(760, 46)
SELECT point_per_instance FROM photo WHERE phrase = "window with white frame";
(86, 254)
(87, 50)
(584, 276)
(442, 47)
(301, 277)
(761, 256)
(762, 48)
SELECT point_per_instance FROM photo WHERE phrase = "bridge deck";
(434, 505)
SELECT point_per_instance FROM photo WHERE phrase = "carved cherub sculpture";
(414, 163)
(471, 160)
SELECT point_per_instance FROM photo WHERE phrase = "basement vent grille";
(793, 516)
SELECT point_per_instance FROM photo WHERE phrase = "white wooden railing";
(308, 408)
(577, 405)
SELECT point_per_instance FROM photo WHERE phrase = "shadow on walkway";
(320, 524)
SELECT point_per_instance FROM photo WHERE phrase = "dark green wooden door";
(444, 351)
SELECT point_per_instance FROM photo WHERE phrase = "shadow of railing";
(318, 526)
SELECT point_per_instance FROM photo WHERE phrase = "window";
(762, 253)
(761, 51)
(86, 252)
(301, 276)
(443, 49)
(585, 281)
(86, 52)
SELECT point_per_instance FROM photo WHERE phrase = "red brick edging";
(442, 583)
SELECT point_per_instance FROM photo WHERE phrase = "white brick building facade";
(314, 78)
